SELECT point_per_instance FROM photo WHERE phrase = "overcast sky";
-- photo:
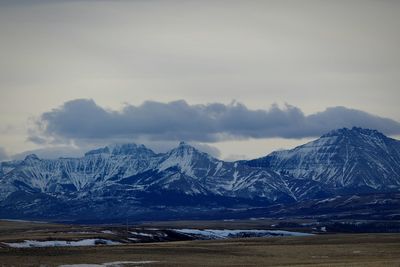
(236, 78)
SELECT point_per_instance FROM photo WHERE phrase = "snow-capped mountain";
(66, 175)
(348, 159)
(217, 177)
(129, 179)
(130, 167)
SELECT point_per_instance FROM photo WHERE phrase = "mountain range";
(130, 180)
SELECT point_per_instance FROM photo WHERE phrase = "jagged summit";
(186, 151)
(121, 149)
(184, 156)
(185, 146)
(31, 157)
(103, 150)
(355, 131)
(182, 143)
(130, 149)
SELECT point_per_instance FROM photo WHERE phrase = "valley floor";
(323, 249)
(318, 250)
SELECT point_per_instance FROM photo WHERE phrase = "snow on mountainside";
(132, 168)
(65, 175)
(221, 178)
(347, 159)
(132, 179)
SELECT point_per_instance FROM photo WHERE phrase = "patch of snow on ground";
(142, 234)
(220, 234)
(107, 232)
(61, 243)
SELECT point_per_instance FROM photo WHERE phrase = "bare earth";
(318, 250)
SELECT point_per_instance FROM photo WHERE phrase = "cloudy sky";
(235, 78)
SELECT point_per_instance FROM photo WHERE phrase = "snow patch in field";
(61, 243)
(220, 234)
(142, 234)
(108, 232)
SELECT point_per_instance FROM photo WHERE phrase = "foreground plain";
(318, 250)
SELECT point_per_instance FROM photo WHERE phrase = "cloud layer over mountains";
(84, 120)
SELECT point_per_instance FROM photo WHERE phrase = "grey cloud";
(82, 120)
(36, 139)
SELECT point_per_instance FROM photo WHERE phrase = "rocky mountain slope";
(352, 160)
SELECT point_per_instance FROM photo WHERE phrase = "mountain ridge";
(130, 178)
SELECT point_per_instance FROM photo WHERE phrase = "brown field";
(16, 231)
(319, 250)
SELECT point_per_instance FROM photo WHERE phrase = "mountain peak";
(103, 150)
(184, 150)
(184, 146)
(183, 156)
(121, 149)
(129, 149)
(31, 157)
(355, 131)
(182, 143)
